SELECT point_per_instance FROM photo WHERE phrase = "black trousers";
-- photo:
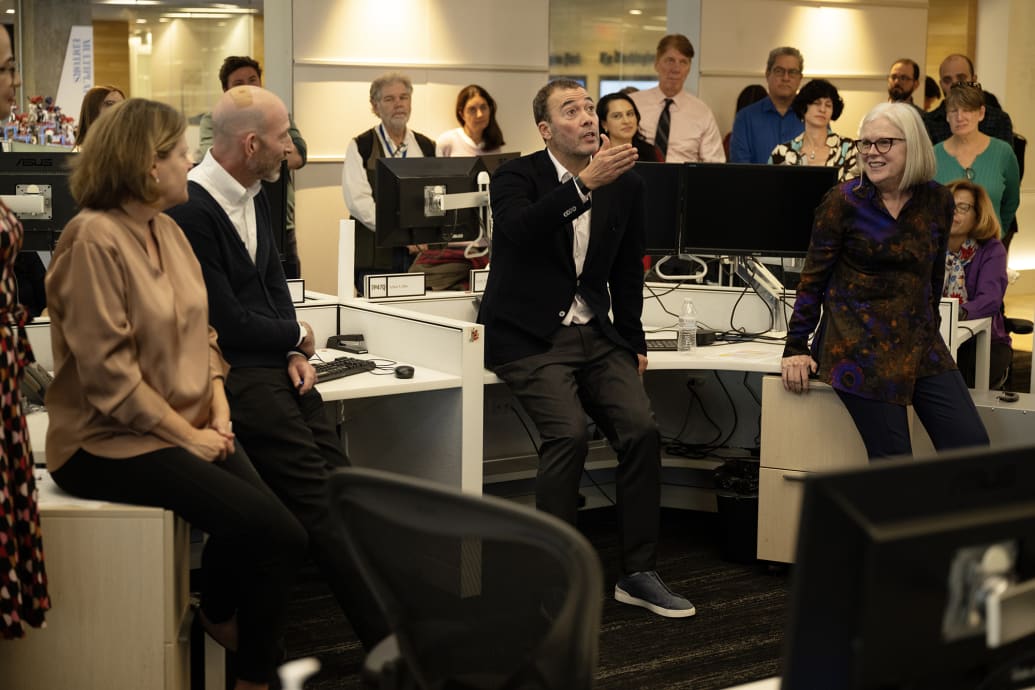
(585, 373)
(294, 447)
(942, 403)
(254, 544)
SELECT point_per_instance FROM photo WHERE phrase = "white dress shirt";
(235, 199)
(579, 312)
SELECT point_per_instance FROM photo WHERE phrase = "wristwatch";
(579, 185)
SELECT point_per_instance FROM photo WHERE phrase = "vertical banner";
(76, 72)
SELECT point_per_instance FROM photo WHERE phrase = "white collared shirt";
(579, 312)
(236, 200)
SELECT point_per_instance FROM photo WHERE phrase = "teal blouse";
(995, 169)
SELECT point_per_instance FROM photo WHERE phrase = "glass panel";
(606, 44)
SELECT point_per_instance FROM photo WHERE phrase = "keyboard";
(342, 367)
(661, 344)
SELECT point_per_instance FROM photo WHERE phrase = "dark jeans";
(585, 373)
(944, 406)
(294, 447)
(254, 543)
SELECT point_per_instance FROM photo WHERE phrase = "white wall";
(850, 43)
(1004, 59)
(339, 46)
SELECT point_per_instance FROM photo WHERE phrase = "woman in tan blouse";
(137, 408)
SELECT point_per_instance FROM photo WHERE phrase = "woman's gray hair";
(920, 164)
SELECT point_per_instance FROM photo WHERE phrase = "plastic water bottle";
(686, 340)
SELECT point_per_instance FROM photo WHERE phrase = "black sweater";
(248, 303)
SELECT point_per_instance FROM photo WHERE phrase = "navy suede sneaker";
(646, 589)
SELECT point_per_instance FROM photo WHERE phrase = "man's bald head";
(244, 109)
(250, 133)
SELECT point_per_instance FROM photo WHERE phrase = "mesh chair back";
(480, 592)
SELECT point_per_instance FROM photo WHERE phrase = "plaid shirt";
(996, 124)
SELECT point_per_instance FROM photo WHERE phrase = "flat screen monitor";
(887, 590)
(49, 172)
(752, 210)
(495, 160)
(666, 187)
(402, 186)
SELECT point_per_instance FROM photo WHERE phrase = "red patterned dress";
(23, 579)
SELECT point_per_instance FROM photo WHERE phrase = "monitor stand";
(767, 286)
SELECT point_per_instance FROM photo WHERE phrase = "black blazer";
(532, 280)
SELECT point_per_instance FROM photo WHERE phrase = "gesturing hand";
(609, 163)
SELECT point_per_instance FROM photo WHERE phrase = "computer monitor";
(666, 205)
(48, 172)
(404, 186)
(894, 563)
(494, 160)
(614, 83)
(752, 210)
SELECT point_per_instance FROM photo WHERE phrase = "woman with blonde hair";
(975, 273)
(137, 407)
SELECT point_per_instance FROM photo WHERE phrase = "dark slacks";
(944, 406)
(254, 543)
(294, 447)
(585, 373)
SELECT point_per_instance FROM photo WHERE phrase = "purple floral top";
(877, 280)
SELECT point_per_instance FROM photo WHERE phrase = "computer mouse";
(404, 371)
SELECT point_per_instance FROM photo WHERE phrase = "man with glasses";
(903, 79)
(390, 100)
(957, 69)
(762, 126)
(679, 124)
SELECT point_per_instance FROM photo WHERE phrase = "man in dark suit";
(277, 414)
(567, 245)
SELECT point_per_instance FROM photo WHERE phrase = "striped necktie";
(661, 137)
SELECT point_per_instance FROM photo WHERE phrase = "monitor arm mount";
(986, 598)
(437, 202)
(767, 286)
(29, 201)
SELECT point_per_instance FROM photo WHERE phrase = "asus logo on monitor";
(34, 163)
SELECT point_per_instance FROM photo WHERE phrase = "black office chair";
(479, 592)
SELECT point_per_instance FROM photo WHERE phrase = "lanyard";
(388, 145)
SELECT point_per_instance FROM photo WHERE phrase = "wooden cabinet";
(118, 580)
(800, 434)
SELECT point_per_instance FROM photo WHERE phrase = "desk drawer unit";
(118, 580)
(779, 508)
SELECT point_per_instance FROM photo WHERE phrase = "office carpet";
(734, 638)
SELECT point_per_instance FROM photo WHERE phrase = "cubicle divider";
(428, 426)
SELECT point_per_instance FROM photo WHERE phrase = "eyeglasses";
(900, 77)
(782, 72)
(881, 145)
(963, 208)
(971, 84)
(11, 68)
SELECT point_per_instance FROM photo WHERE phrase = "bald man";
(277, 415)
